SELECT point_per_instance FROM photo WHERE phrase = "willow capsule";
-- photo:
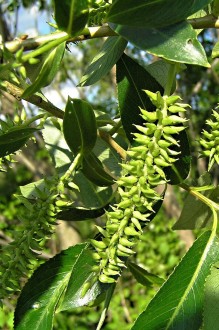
(106, 279)
(110, 272)
(125, 249)
(98, 244)
(125, 242)
(137, 224)
(173, 129)
(149, 116)
(172, 99)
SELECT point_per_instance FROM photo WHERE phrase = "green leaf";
(29, 190)
(179, 302)
(195, 214)
(71, 15)
(108, 156)
(90, 195)
(80, 214)
(62, 277)
(143, 276)
(159, 70)
(14, 139)
(211, 307)
(93, 169)
(181, 168)
(176, 43)
(131, 80)
(153, 14)
(79, 126)
(47, 70)
(215, 50)
(56, 145)
(103, 62)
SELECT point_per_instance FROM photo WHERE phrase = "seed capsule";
(172, 99)
(125, 242)
(149, 116)
(173, 129)
(106, 279)
(98, 244)
(125, 249)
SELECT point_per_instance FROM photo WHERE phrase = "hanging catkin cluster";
(143, 172)
(210, 140)
(19, 257)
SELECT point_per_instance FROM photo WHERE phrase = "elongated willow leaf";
(104, 61)
(47, 71)
(151, 14)
(211, 306)
(80, 214)
(62, 277)
(177, 43)
(14, 139)
(93, 169)
(143, 276)
(71, 15)
(179, 302)
(79, 126)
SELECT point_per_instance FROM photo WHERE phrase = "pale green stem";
(106, 306)
(201, 197)
(76, 163)
(44, 48)
(31, 120)
(115, 128)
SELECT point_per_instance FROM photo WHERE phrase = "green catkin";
(140, 175)
(210, 141)
(19, 257)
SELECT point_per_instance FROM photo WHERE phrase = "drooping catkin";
(210, 140)
(141, 174)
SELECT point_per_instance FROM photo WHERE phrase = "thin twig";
(108, 138)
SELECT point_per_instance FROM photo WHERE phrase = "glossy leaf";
(47, 71)
(179, 302)
(79, 126)
(153, 14)
(80, 214)
(57, 147)
(62, 277)
(71, 15)
(211, 306)
(176, 43)
(94, 171)
(14, 139)
(132, 79)
(143, 276)
(103, 62)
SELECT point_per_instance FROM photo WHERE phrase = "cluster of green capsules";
(98, 12)
(152, 152)
(210, 140)
(19, 257)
